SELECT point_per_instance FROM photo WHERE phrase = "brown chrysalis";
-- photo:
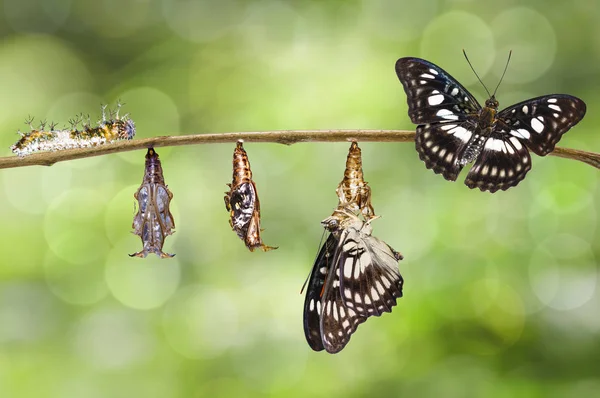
(242, 202)
(153, 221)
(354, 192)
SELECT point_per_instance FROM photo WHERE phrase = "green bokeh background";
(501, 291)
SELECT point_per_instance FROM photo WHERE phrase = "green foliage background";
(501, 291)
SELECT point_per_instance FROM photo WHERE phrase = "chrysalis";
(153, 221)
(354, 192)
(355, 276)
(108, 130)
(242, 202)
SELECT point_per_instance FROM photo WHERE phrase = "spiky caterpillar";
(108, 130)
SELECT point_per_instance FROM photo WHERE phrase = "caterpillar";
(108, 130)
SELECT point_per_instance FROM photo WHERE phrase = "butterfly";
(454, 130)
(355, 276)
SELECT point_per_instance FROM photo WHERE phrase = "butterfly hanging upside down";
(355, 275)
(454, 130)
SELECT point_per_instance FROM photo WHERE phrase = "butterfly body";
(454, 130)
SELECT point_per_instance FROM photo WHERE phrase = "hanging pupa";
(242, 202)
(153, 221)
(353, 191)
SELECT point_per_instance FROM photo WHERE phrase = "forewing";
(540, 122)
(503, 163)
(440, 146)
(312, 302)
(371, 282)
(432, 94)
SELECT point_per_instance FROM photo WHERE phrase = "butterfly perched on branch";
(355, 276)
(454, 130)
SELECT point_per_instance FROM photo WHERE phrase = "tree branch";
(286, 137)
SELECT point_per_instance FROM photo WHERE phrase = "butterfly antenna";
(503, 73)
(473, 69)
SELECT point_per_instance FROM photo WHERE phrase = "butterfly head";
(492, 102)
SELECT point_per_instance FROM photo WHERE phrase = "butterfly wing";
(371, 282)
(539, 123)
(312, 303)
(502, 163)
(432, 94)
(365, 281)
(440, 146)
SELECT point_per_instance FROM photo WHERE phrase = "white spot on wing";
(494, 144)
(435, 99)
(537, 125)
(374, 294)
(525, 109)
(555, 107)
(311, 306)
(347, 271)
(446, 114)
(454, 91)
(552, 100)
(521, 133)
(461, 133)
(380, 288)
(435, 72)
(427, 76)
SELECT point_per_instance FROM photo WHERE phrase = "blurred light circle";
(531, 37)
(447, 35)
(278, 370)
(501, 310)
(141, 283)
(120, 212)
(73, 228)
(398, 20)
(32, 189)
(562, 272)
(42, 16)
(565, 207)
(34, 84)
(418, 230)
(27, 313)
(200, 321)
(112, 339)
(75, 283)
(202, 20)
(155, 114)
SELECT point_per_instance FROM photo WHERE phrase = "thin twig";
(286, 137)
